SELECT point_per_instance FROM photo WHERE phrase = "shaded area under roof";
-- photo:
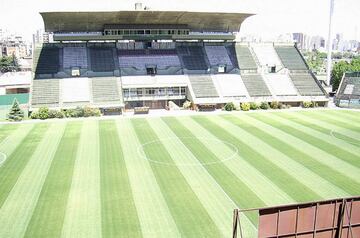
(95, 21)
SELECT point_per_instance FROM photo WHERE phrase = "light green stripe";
(298, 171)
(266, 190)
(83, 212)
(17, 210)
(216, 202)
(315, 133)
(154, 215)
(321, 156)
(337, 129)
(343, 117)
(9, 144)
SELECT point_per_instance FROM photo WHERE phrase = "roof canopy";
(95, 21)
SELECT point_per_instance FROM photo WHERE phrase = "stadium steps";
(106, 90)
(306, 85)
(75, 57)
(291, 58)
(245, 59)
(45, 92)
(280, 84)
(203, 86)
(255, 85)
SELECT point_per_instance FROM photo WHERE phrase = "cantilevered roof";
(95, 21)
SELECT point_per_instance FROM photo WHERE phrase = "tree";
(340, 68)
(15, 113)
(8, 64)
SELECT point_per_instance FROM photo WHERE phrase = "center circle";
(177, 142)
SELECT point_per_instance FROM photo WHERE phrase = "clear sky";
(273, 17)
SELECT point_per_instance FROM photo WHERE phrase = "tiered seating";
(230, 85)
(350, 85)
(75, 90)
(45, 92)
(232, 55)
(306, 85)
(281, 84)
(139, 59)
(266, 55)
(255, 85)
(245, 58)
(217, 55)
(291, 58)
(102, 59)
(48, 61)
(105, 90)
(75, 57)
(203, 86)
(193, 57)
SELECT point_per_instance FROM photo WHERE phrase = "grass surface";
(171, 177)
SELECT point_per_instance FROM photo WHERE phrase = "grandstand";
(348, 94)
(137, 58)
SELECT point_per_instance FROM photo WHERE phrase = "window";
(162, 92)
(147, 32)
(140, 32)
(139, 92)
(149, 91)
(126, 32)
(183, 91)
(154, 32)
(126, 92)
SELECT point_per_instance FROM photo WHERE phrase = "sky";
(273, 17)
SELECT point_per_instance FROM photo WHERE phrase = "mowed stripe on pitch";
(333, 127)
(119, 216)
(83, 211)
(327, 166)
(153, 212)
(18, 208)
(215, 200)
(48, 217)
(19, 146)
(322, 187)
(263, 161)
(264, 188)
(318, 137)
(190, 216)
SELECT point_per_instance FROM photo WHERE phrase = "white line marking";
(142, 154)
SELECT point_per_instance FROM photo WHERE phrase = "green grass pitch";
(170, 176)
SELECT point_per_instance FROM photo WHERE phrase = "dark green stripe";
(48, 216)
(118, 211)
(268, 168)
(242, 195)
(190, 216)
(295, 153)
(338, 151)
(16, 162)
(332, 121)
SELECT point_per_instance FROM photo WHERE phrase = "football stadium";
(266, 174)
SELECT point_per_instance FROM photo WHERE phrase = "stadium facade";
(127, 59)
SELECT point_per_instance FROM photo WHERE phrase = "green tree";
(9, 63)
(15, 113)
(340, 68)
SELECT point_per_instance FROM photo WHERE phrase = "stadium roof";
(95, 21)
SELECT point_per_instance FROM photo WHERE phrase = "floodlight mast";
(329, 45)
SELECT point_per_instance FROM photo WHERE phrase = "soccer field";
(170, 176)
